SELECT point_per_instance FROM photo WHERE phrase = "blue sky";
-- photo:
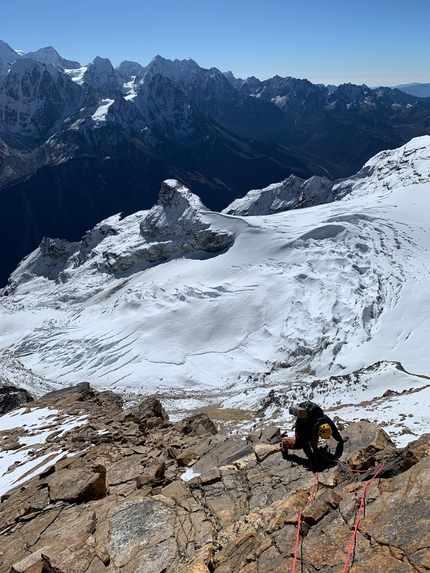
(328, 41)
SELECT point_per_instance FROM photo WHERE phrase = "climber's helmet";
(324, 431)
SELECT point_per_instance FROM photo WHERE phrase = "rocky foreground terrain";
(132, 492)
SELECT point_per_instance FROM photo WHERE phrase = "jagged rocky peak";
(292, 193)
(101, 75)
(231, 77)
(49, 55)
(349, 94)
(129, 70)
(201, 85)
(175, 195)
(165, 107)
(252, 82)
(177, 224)
(176, 69)
(174, 226)
(14, 74)
(102, 488)
(47, 261)
(24, 64)
(7, 53)
(35, 98)
(176, 205)
(53, 256)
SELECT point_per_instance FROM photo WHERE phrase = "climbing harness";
(377, 470)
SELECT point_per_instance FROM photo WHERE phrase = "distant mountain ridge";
(415, 89)
(80, 143)
(49, 55)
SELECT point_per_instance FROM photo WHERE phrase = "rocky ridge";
(174, 226)
(133, 492)
(11, 397)
(386, 171)
(292, 193)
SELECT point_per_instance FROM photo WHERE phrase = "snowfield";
(246, 313)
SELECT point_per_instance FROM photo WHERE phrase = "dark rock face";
(33, 99)
(149, 413)
(116, 500)
(11, 397)
(198, 425)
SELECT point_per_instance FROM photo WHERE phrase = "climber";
(311, 424)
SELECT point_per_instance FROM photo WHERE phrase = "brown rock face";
(198, 425)
(116, 502)
(35, 563)
(149, 413)
(155, 470)
(366, 442)
(80, 484)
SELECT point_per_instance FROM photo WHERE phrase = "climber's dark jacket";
(307, 430)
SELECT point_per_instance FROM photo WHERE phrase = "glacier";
(241, 312)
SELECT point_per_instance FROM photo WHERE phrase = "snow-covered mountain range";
(242, 313)
(79, 143)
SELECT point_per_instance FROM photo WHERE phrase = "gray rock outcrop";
(131, 498)
(11, 397)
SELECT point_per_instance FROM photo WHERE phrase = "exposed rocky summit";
(292, 193)
(175, 226)
(134, 492)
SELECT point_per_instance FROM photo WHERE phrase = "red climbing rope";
(299, 523)
(296, 548)
(377, 470)
(357, 521)
(311, 493)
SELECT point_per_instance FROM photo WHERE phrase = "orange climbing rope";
(377, 470)
(299, 522)
(357, 521)
(296, 548)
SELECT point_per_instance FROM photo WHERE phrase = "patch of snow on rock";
(18, 465)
